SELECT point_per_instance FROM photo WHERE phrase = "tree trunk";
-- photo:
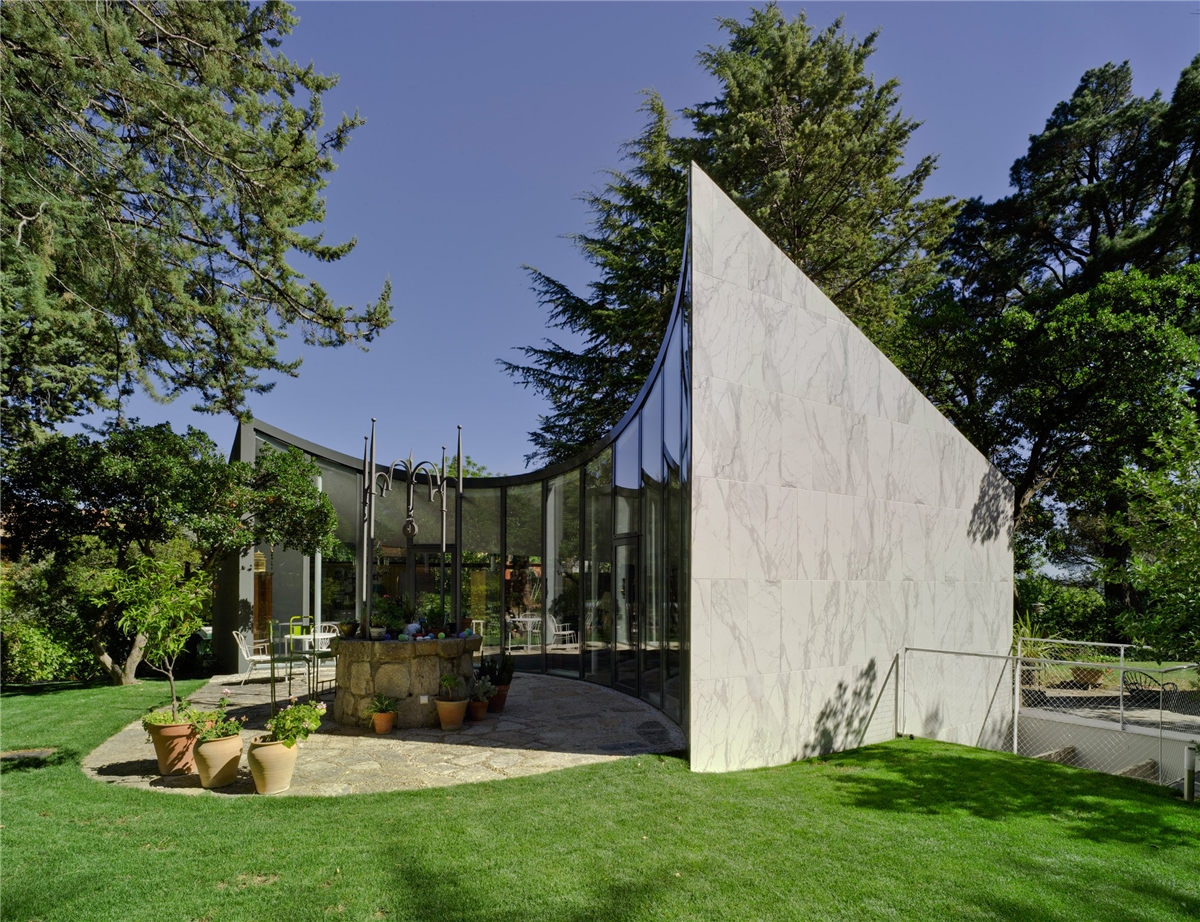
(118, 674)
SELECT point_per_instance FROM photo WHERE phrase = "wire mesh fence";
(1105, 707)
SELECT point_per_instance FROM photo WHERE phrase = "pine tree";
(161, 163)
(809, 146)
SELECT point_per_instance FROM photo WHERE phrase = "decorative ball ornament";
(410, 527)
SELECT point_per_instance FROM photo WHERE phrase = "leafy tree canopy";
(162, 161)
(803, 139)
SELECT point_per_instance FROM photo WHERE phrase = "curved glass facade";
(577, 570)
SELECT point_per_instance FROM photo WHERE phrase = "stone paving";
(548, 723)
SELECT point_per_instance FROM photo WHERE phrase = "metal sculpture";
(379, 483)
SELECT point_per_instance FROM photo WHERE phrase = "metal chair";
(559, 635)
(255, 653)
(1146, 691)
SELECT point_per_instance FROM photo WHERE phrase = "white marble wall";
(837, 517)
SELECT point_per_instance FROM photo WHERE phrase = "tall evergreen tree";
(1065, 335)
(161, 162)
(810, 146)
(636, 247)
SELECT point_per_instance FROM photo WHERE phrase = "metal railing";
(1097, 706)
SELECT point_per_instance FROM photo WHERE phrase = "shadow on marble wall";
(843, 720)
(993, 508)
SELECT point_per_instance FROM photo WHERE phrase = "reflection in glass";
(523, 586)
(626, 596)
(562, 575)
(627, 474)
(481, 566)
(598, 599)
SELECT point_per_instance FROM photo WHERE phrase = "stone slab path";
(548, 723)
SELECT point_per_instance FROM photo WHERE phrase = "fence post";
(1121, 691)
(1016, 695)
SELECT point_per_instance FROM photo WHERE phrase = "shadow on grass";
(22, 763)
(937, 778)
(13, 690)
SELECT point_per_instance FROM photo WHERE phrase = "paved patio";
(548, 723)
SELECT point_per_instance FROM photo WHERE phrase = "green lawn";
(905, 830)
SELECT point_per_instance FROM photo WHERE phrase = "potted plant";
(382, 711)
(500, 671)
(218, 747)
(451, 703)
(347, 628)
(481, 693)
(163, 610)
(272, 757)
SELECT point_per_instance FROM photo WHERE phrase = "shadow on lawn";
(23, 763)
(934, 779)
(541, 885)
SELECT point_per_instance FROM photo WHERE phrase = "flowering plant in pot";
(482, 691)
(451, 703)
(382, 711)
(162, 610)
(272, 757)
(218, 747)
(500, 671)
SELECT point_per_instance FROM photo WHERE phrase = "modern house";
(775, 519)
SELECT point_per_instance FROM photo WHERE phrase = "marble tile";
(838, 519)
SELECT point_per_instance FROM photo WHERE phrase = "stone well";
(404, 670)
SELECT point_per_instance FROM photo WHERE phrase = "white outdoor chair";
(559, 635)
(255, 653)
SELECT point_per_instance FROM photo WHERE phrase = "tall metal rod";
(442, 557)
(380, 483)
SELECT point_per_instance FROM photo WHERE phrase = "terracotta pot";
(217, 761)
(496, 705)
(173, 747)
(384, 722)
(451, 713)
(477, 709)
(272, 764)
(1087, 676)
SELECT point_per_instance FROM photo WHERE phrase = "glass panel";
(673, 692)
(482, 566)
(523, 584)
(563, 575)
(340, 567)
(628, 477)
(672, 400)
(625, 613)
(651, 626)
(652, 436)
(598, 600)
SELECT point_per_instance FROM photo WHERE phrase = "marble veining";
(837, 518)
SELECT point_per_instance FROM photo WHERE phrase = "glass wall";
(579, 572)
(597, 579)
(563, 571)
(524, 587)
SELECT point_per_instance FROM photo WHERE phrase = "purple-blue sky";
(486, 121)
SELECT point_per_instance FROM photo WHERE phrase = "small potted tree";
(452, 703)
(161, 606)
(481, 693)
(382, 711)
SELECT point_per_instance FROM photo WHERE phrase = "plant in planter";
(160, 605)
(218, 747)
(272, 757)
(482, 691)
(500, 671)
(347, 628)
(382, 711)
(452, 703)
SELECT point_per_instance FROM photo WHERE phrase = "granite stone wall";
(404, 670)
(837, 518)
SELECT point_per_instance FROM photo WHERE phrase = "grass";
(903, 830)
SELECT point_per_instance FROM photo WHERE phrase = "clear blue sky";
(486, 121)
